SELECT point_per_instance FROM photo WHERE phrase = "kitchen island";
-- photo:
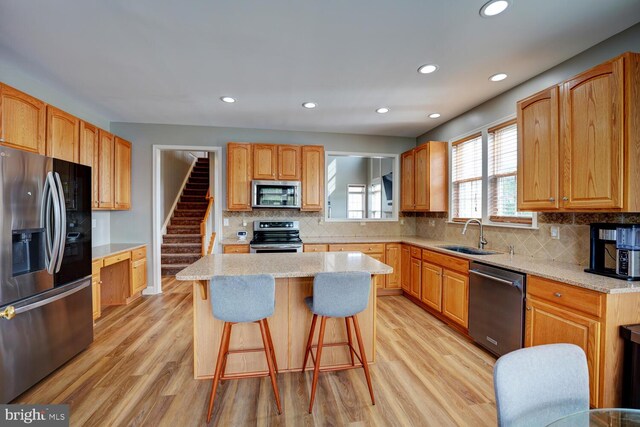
(291, 320)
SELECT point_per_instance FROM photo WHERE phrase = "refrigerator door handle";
(50, 193)
(62, 229)
(32, 306)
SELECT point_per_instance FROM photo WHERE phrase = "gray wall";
(505, 104)
(174, 166)
(135, 225)
(349, 170)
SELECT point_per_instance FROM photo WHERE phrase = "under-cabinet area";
(118, 275)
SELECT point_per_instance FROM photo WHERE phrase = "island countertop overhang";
(281, 265)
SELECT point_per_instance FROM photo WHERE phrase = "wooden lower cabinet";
(378, 279)
(235, 249)
(405, 268)
(392, 259)
(432, 285)
(95, 288)
(138, 270)
(551, 324)
(415, 274)
(455, 297)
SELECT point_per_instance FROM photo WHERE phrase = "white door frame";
(157, 221)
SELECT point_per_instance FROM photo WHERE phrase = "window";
(467, 178)
(356, 200)
(486, 187)
(375, 193)
(502, 181)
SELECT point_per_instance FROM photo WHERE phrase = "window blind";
(467, 177)
(502, 177)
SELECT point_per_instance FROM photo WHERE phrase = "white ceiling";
(163, 61)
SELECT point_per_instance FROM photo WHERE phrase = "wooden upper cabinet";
(89, 156)
(239, 174)
(289, 168)
(421, 178)
(538, 151)
(265, 161)
(592, 129)
(122, 173)
(424, 178)
(578, 147)
(407, 200)
(312, 178)
(22, 120)
(106, 170)
(63, 135)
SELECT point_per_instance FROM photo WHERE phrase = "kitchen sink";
(467, 250)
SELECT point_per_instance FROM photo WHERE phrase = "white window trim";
(485, 178)
(396, 186)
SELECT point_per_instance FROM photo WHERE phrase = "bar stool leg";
(226, 353)
(309, 342)
(350, 341)
(316, 368)
(268, 352)
(363, 356)
(222, 355)
(273, 350)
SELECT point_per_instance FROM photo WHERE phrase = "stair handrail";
(204, 226)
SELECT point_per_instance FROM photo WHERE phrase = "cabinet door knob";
(552, 199)
(1, 139)
(557, 295)
(565, 198)
(528, 308)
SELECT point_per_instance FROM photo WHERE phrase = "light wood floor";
(139, 371)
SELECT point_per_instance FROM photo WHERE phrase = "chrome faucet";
(481, 241)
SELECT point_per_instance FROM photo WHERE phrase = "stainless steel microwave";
(275, 194)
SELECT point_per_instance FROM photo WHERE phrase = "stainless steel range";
(276, 236)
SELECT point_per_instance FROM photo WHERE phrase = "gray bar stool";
(338, 295)
(242, 299)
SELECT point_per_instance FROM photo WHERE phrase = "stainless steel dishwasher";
(496, 308)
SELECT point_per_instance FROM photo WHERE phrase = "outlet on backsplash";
(554, 232)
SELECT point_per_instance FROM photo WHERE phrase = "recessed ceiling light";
(434, 115)
(493, 8)
(382, 110)
(227, 99)
(309, 105)
(498, 77)
(427, 69)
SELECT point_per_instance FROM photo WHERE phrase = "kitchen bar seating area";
(320, 213)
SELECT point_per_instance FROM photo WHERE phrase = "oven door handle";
(276, 247)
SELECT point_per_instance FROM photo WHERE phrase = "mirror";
(361, 187)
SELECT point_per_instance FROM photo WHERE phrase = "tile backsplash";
(312, 224)
(571, 247)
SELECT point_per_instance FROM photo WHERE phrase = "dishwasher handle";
(497, 279)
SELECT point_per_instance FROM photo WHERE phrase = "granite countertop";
(279, 266)
(562, 272)
(102, 251)
(234, 242)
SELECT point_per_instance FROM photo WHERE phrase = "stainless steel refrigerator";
(45, 267)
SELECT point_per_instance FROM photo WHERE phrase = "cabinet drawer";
(114, 259)
(416, 252)
(140, 253)
(236, 249)
(367, 248)
(96, 266)
(584, 300)
(450, 262)
(316, 248)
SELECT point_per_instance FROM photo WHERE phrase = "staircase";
(182, 245)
